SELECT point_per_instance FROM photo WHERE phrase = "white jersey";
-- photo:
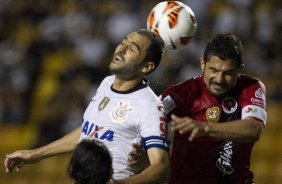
(119, 119)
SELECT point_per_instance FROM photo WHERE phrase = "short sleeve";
(153, 128)
(253, 101)
(170, 100)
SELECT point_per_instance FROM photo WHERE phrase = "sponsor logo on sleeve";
(250, 110)
(169, 104)
(259, 98)
(254, 111)
(163, 127)
(259, 93)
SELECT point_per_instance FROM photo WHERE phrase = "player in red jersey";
(216, 118)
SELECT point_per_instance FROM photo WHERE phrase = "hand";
(18, 159)
(188, 125)
(138, 157)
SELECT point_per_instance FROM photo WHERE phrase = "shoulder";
(105, 85)
(148, 104)
(107, 81)
(248, 79)
(147, 95)
(251, 90)
(248, 82)
(182, 94)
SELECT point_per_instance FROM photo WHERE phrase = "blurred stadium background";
(54, 53)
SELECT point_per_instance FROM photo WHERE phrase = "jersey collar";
(144, 83)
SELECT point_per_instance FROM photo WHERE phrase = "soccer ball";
(174, 21)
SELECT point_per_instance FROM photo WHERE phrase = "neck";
(125, 84)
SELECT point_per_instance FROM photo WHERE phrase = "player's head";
(139, 53)
(90, 163)
(222, 63)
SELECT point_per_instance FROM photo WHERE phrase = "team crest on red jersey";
(229, 105)
(213, 114)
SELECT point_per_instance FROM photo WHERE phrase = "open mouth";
(118, 58)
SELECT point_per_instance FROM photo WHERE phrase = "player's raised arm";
(21, 157)
(157, 172)
(246, 130)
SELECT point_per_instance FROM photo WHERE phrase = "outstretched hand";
(18, 159)
(188, 125)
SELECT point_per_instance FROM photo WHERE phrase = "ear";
(148, 67)
(202, 63)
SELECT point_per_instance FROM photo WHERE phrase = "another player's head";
(90, 163)
(222, 63)
(138, 54)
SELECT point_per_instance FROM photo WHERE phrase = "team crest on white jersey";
(120, 113)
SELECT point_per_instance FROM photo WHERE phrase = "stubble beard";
(214, 92)
(125, 71)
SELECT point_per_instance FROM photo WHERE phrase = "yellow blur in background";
(53, 54)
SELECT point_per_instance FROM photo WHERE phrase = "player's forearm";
(154, 174)
(247, 130)
(64, 145)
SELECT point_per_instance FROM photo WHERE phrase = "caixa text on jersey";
(94, 131)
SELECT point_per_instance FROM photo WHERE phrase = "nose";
(123, 48)
(219, 78)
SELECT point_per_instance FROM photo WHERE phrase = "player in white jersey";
(119, 118)
(123, 109)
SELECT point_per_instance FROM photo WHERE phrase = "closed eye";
(214, 70)
(226, 72)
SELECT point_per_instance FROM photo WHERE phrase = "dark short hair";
(156, 49)
(225, 46)
(91, 163)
